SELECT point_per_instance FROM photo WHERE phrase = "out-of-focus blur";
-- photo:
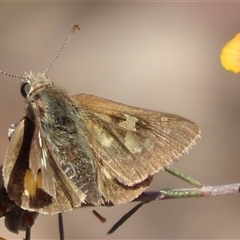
(230, 55)
(159, 56)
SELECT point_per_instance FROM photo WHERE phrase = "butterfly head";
(33, 81)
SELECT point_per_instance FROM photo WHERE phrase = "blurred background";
(160, 56)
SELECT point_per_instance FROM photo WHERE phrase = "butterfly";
(68, 151)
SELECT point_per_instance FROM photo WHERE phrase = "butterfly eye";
(25, 89)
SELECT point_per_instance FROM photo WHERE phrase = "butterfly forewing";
(132, 144)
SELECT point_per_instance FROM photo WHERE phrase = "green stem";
(184, 177)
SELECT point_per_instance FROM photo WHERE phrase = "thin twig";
(183, 176)
(125, 217)
(28, 234)
(205, 191)
(60, 225)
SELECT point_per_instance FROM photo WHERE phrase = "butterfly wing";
(31, 180)
(132, 144)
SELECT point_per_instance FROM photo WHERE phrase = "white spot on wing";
(132, 144)
(149, 144)
(39, 139)
(106, 141)
(129, 123)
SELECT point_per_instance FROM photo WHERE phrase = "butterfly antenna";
(72, 30)
(13, 75)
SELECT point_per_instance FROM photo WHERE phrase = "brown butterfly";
(71, 150)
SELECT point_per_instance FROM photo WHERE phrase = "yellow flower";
(230, 55)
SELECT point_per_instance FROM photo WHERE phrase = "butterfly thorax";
(60, 131)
